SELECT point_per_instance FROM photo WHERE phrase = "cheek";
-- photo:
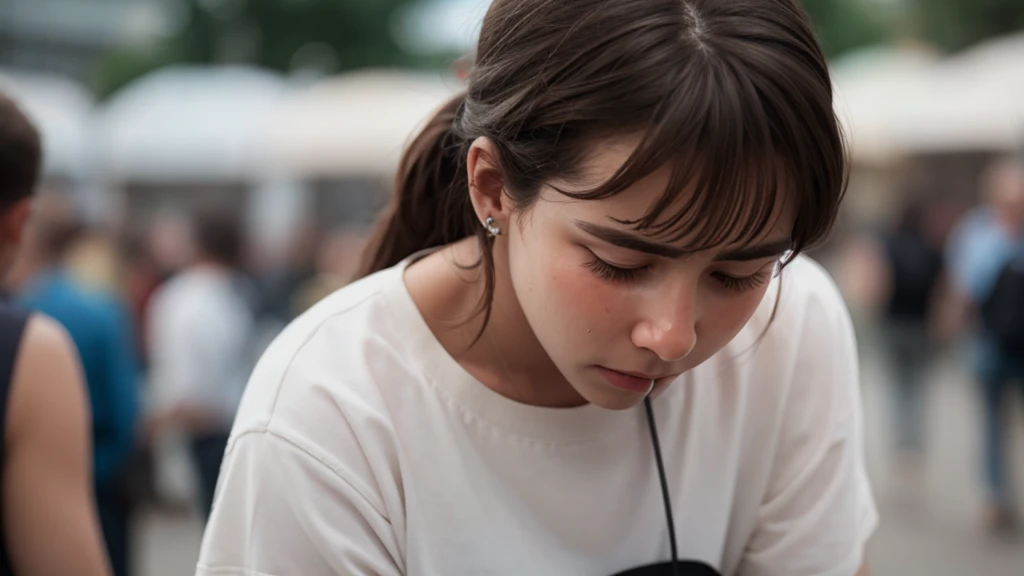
(594, 304)
(563, 299)
(575, 293)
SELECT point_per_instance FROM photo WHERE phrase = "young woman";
(609, 217)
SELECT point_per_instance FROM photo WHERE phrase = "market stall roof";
(354, 124)
(189, 124)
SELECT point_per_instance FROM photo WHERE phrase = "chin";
(611, 399)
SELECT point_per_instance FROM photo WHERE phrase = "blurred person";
(278, 286)
(95, 261)
(985, 243)
(141, 278)
(276, 283)
(169, 242)
(337, 264)
(200, 326)
(913, 266)
(584, 343)
(101, 329)
(49, 517)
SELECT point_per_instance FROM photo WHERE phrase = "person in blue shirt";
(983, 243)
(100, 328)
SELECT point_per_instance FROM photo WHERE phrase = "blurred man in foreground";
(49, 519)
(983, 252)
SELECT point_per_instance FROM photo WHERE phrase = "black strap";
(12, 329)
(664, 485)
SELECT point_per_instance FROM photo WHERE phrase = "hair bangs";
(733, 166)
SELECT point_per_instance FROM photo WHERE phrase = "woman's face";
(614, 309)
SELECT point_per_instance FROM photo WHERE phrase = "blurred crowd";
(168, 321)
(937, 281)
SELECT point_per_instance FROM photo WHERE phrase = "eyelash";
(614, 273)
(618, 274)
(745, 283)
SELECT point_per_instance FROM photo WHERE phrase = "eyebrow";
(630, 241)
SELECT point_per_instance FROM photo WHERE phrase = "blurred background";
(263, 134)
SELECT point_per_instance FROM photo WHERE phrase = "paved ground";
(931, 529)
(928, 530)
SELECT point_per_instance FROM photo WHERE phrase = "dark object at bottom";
(115, 508)
(207, 454)
(685, 568)
(1002, 313)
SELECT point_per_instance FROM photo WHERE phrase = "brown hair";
(734, 95)
(20, 154)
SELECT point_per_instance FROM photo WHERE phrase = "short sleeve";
(280, 510)
(818, 510)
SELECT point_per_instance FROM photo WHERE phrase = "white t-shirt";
(362, 447)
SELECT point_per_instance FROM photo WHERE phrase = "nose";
(670, 328)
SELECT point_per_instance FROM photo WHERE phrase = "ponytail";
(431, 204)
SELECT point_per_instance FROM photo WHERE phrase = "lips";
(628, 381)
(641, 375)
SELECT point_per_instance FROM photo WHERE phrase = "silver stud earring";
(492, 228)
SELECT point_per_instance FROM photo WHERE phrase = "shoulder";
(812, 319)
(974, 226)
(318, 387)
(802, 461)
(44, 338)
(107, 314)
(182, 295)
(798, 353)
(327, 359)
(977, 217)
(802, 310)
(170, 289)
(47, 383)
(807, 288)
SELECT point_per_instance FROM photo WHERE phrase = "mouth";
(631, 381)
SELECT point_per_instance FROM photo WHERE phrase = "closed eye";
(742, 283)
(613, 273)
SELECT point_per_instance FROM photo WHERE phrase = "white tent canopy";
(185, 124)
(61, 109)
(894, 102)
(353, 124)
(874, 88)
(974, 102)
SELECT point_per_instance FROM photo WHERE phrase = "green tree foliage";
(956, 24)
(330, 35)
(336, 35)
(844, 25)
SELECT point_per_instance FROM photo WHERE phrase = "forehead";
(643, 196)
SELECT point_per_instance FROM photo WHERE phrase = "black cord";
(664, 486)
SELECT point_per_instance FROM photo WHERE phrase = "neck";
(507, 357)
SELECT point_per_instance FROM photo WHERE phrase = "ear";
(14, 220)
(487, 184)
